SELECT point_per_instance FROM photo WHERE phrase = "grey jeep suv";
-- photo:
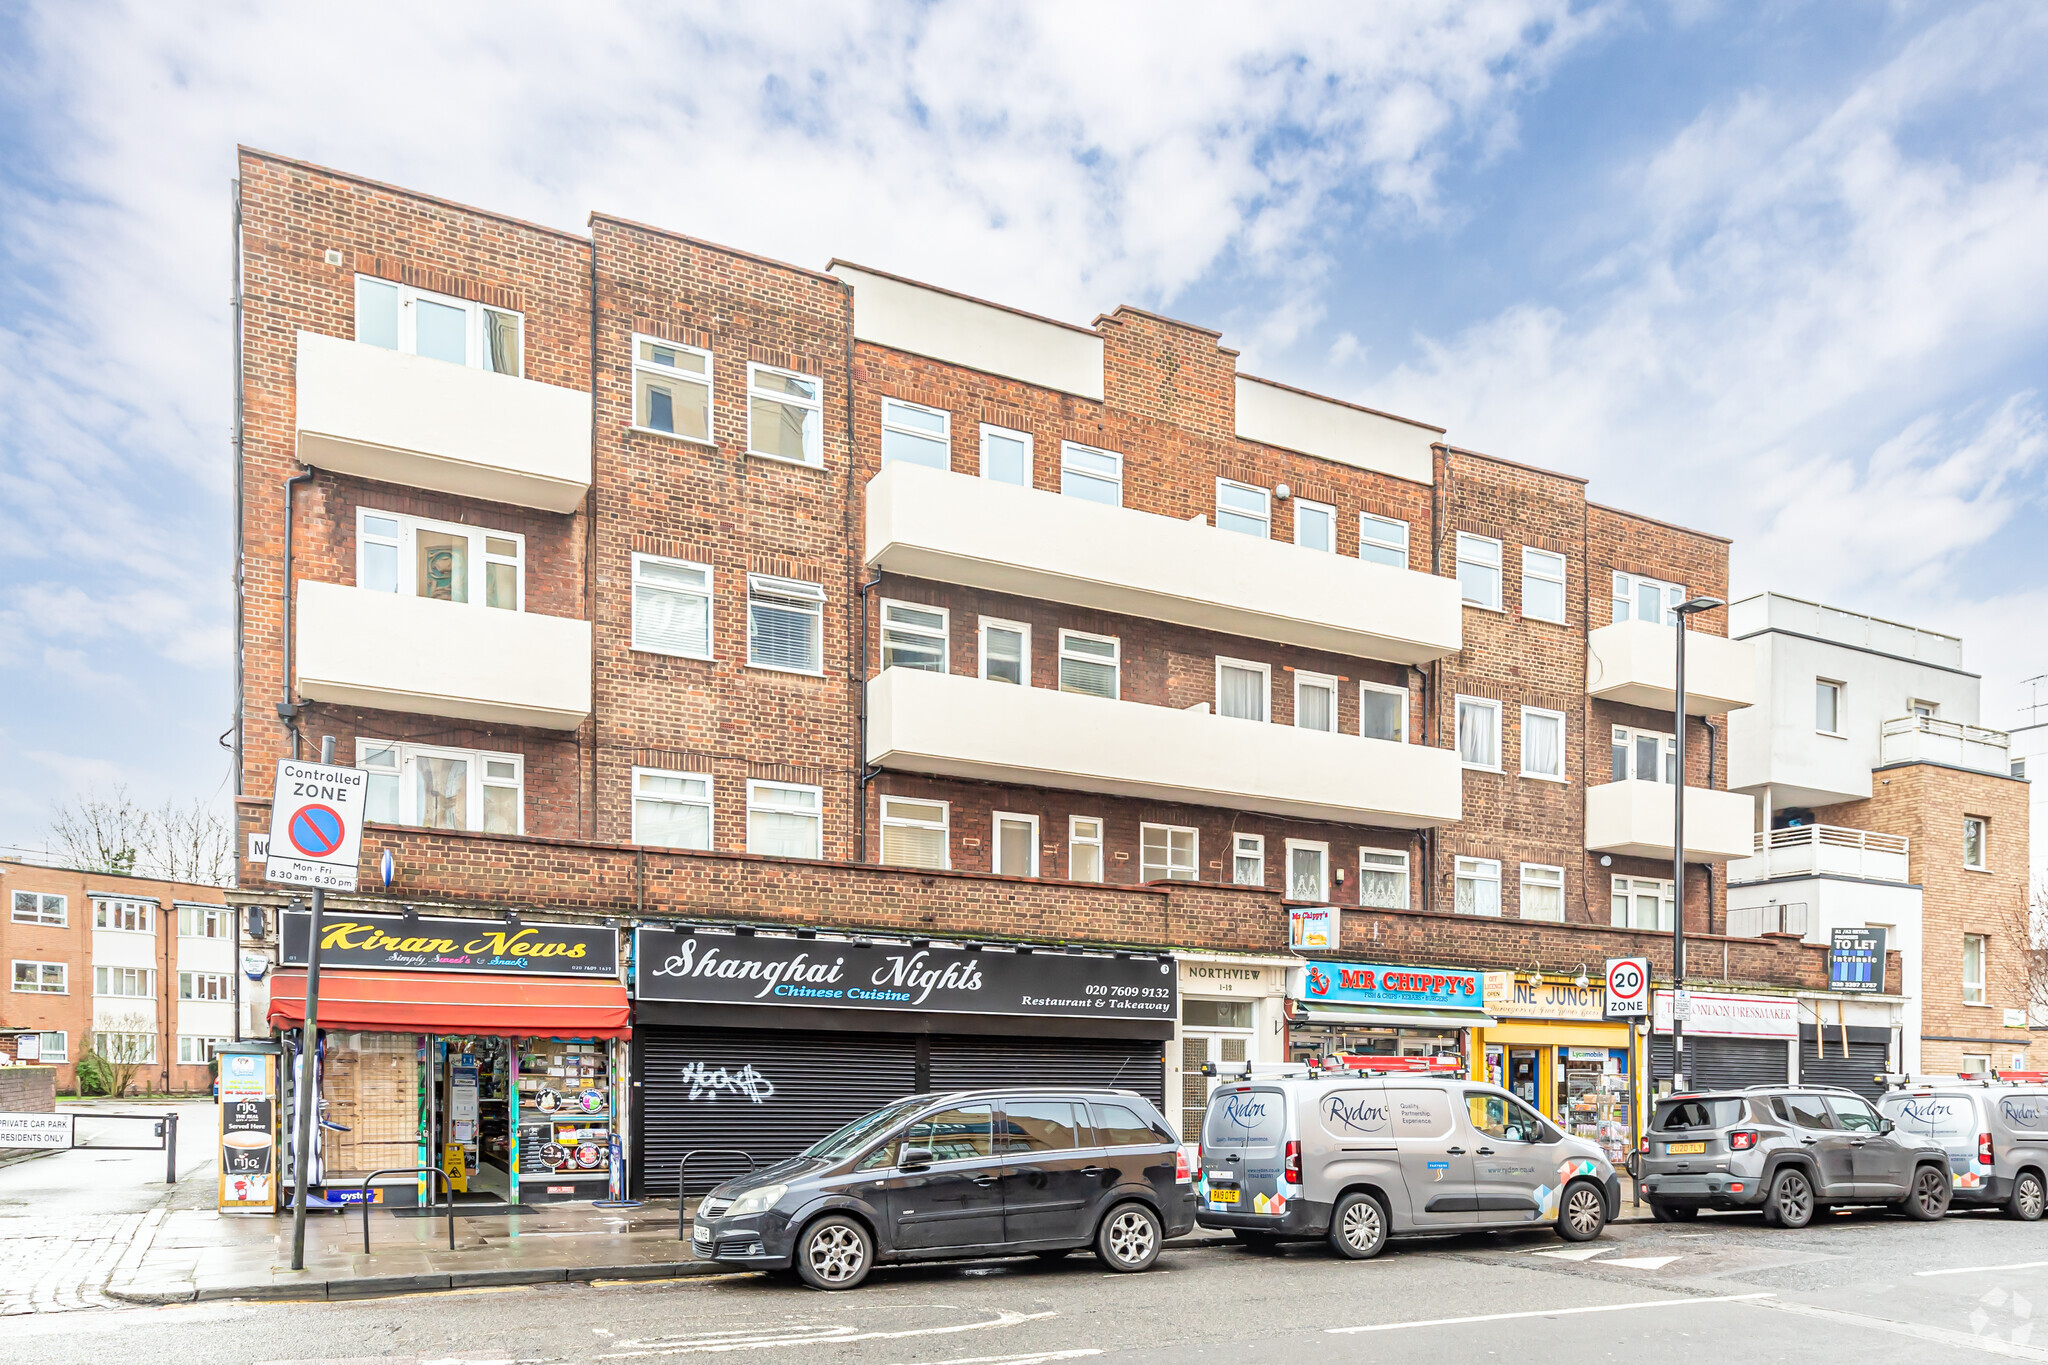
(1788, 1150)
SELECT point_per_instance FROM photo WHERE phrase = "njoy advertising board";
(316, 826)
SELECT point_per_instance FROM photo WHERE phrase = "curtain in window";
(1013, 848)
(1542, 745)
(1316, 707)
(1305, 874)
(1241, 693)
(778, 428)
(1478, 892)
(1478, 735)
(1383, 881)
(1381, 714)
(501, 341)
(782, 835)
(443, 792)
(670, 618)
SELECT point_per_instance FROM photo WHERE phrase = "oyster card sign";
(728, 969)
(391, 943)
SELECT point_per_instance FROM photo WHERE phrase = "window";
(1827, 706)
(1543, 892)
(416, 784)
(56, 1047)
(205, 921)
(1248, 859)
(916, 434)
(1479, 733)
(414, 557)
(40, 907)
(1542, 743)
(1315, 702)
(1243, 508)
(1646, 599)
(1166, 853)
(1315, 525)
(1218, 1014)
(129, 916)
(1478, 886)
(1006, 651)
(1644, 755)
(1383, 540)
(671, 607)
(2018, 768)
(1097, 475)
(401, 318)
(785, 624)
(1926, 710)
(1642, 903)
(1041, 1126)
(670, 809)
(1084, 848)
(1006, 455)
(205, 986)
(1308, 871)
(125, 1047)
(1853, 1115)
(1479, 570)
(1976, 1064)
(671, 388)
(42, 978)
(124, 981)
(1089, 664)
(954, 1134)
(198, 1051)
(1016, 845)
(914, 833)
(785, 415)
(785, 821)
(913, 636)
(1383, 712)
(1973, 969)
(1117, 1125)
(1975, 837)
(1542, 585)
(1383, 878)
(1242, 689)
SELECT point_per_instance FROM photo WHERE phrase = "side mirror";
(913, 1158)
(1885, 1125)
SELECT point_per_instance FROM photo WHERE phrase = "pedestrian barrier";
(165, 1132)
(448, 1197)
(682, 1184)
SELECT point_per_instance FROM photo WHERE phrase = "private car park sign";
(316, 826)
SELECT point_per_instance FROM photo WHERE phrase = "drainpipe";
(240, 576)
(860, 676)
(288, 710)
(1433, 675)
(1713, 752)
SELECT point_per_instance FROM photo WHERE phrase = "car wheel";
(834, 1253)
(1358, 1227)
(1129, 1238)
(1672, 1213)
(1929, 1197)
(1253, 1240)
(1583, 1214)
(1791, 1200)
(2029, 1198)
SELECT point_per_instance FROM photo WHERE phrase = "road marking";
(1979, 1269)
(738, 1340)
(1643, 1262)
(1917, 1331)
(1028, 1358)
(1547, 1313)
(1573, 1253)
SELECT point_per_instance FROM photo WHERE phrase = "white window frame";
(139, 1047)
(194, 921)
(1534, 568)
(193, 985)
(1626, 889)
(1319, 847)
(1329, 514)
(1194, 863)
(1263, 518)
(406, 546)
(995, 841)
(1093, 475)
(197, 1049)
(1471, 549)
(1527, 771)
(60, 1051)
(1973, 991)
(1383, 860)
(1920, 706)
(406, 757)
(1975, 1064)
(1983, 826)
(707, 593)
(893, 818)
(1076, 838)
(981, 630)
(988, 429)
(814, 430)
(1476, 870)
(942, 636)
(789, 594)
(1389, 690)
(1376, 524)
(104, 978)
(476, 343)
(1626, 587)
(755, 803)
(709, 804)
(1252, 846)
(675, 375)
(1840, 691)
(143, 912)
(42, 977)
(1499, 738)
(39, 913)
(1544, 872)
(1625, 737)
(1265, 672)
(1115, 661)
(893, 422)
(1327, 682)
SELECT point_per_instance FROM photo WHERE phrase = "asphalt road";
(1852, 1287)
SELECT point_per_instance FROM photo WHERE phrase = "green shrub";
(94, 1075)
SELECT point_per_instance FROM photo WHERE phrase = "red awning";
(456, 1002)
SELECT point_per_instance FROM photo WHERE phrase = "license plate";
(1684, 1148)
(700, 1233)
(1223, 1196)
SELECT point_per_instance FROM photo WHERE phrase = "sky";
(1777, 270)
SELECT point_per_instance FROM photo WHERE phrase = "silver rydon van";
(1995, 1134)
(1360, 1158)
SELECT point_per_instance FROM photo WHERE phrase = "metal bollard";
(170, 1149)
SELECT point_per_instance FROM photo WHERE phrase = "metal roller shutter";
(1854, 1072)
(1127, 1064)
(1723, 1063)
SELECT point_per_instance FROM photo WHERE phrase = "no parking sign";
(316, 826)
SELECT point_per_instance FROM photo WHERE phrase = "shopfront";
(1233, 1010)
(1554, 1047)
(763, 1043)
(1731, 1040)
(1383, 1009)
(490, 1048)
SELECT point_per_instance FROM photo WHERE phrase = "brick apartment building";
(801, 601)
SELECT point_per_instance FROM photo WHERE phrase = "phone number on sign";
(1132, 992)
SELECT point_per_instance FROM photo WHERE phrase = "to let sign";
(316, 826)
(1856, 961)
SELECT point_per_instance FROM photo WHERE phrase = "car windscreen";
(1239, 1118)
(846, 1141)
(1675, 1114)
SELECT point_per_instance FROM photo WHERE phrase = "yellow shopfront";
(1553, 1046)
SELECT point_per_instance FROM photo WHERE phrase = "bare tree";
(2034, 933)
(124, 1050)
(187, 842)
(99, 833)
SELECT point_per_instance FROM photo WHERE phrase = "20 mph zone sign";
(316, 826)
(1628, 988)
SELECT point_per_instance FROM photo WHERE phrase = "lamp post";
(1682, 611)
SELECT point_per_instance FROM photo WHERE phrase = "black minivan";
(1044, 1170)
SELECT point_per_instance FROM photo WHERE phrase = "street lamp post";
(1682, 611)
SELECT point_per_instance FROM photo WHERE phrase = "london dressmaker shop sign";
(731, 969)
(392, 943)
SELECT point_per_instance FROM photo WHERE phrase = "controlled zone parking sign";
(1628, 988)
(316, 826)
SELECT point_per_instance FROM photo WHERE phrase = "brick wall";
(28, 1089)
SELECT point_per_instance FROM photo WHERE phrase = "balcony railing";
(1927, 739)
(1754, 921)
(1636, 663)
(1633, 819)
(1815, 849)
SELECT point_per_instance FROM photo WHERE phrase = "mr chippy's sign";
(389, 943)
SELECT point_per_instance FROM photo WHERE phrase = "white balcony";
(1633, 820)
(1832, 850)
(1636, 663)
(954, 528)
(424, 423)
(433, 658)
(1924, 739)
(1754, 921)
(954, 726)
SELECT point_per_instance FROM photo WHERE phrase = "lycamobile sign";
(729, 969)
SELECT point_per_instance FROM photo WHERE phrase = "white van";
(1995, 1131)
